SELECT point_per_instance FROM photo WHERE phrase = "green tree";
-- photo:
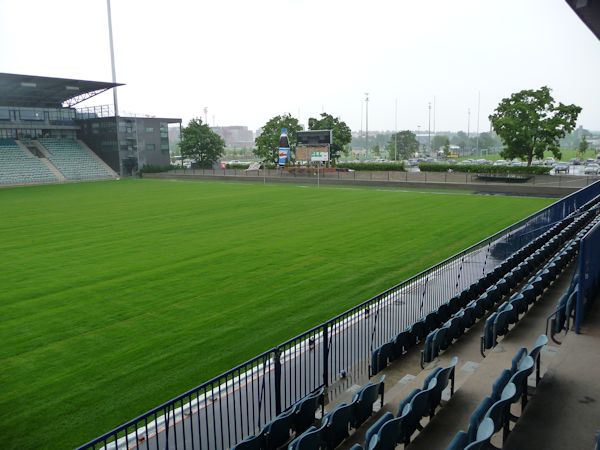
(267, 143)
(402, 145)
(439, 142)
(200, 143)
(341, 133)
(530, 123)
(583, 147)
(376, 150)
(461, 139)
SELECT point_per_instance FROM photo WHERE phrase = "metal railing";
(224, 410)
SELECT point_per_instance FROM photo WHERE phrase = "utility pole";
(429, 130)
(367, 122)
(468, 126)
(206, 115)
(478, 105)
(396, 129)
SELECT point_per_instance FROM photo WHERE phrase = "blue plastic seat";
(528, 292)
(459, 442)
(467, 318)
(477, 308)
(454, 331)
(419, 407)
(337, 424)
(484, 435)
(517, 359)
(311, 439)
(257, 442)
(535, 354)
(374, 429)
(439, 338)
(519, 379)
(454, 305)
(519, 303)
(401, 343)
(489, 338)
(381, 357)
(427, 354)
(500, 383)
(477, 417)
(304, 411)
(418, 332)
(431, 321)
(443, 377)
(279, 430)
(487, 300)
(443, 313)
(364, 400)
(499, 412)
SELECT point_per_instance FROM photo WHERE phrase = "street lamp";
(367, 122)
(429, 130)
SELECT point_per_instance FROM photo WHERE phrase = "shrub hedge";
(151, 168)
(481, 168)
(237, 166)
(386, 167)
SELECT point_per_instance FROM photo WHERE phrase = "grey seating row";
(299, 430)
(493, 414)
(390, 430)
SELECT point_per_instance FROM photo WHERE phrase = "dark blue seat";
(519, 303)
(443, 377)
(417, 409)
(528, 292)
(500, 383)
(311, 439)
(477, 417)
(374, 429)
(356, 447)
(454, 331)
(519, 379)
(477, 309)
(381, 357)
(431, 321)
(499, 412)
(503, 286)
(337, 424)
(487, 300)
(279, 430)
(459, 442)
(464, 298)
(538, 285)
(439, 338)
(467, 318)
(402, 407)
(390, 433)
(401, 343)
(304, 411)
(546, 276)
(489, 339)
(251, 443)
(484, 435)
(417, 332)
(517, 359)
(427, 354)
(364, 400)
(454, 305)
(507, 315)
(443, 313)
(535, 354)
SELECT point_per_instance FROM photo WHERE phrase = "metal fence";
(589, 273)
(336, 354)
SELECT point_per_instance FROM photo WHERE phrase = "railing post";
(277, 370)
(326, 355)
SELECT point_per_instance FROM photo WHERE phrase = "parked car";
(549, 161)
(561, 167)
(575, 162)
(590, 161)
(536, 162)
(500, 162)
(592, 169)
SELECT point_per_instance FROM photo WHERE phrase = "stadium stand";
(73, 161)
(20, 167)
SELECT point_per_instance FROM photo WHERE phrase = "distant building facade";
(236, 136)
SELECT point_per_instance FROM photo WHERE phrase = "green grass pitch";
(117, 296)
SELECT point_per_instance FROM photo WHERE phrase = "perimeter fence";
(336, 354)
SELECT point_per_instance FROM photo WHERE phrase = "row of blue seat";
(296, 427)
(390, 430)
(510, 312)
(517, 266)
(493, 413)
(278, 431)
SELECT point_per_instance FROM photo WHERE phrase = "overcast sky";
(248, 61)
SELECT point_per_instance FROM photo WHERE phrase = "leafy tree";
(402, 145)
(200, 143)
(583, 147)
(530, 123)
(487, 140)
(461, 139)
(267, 144)
(439, 142)
(342, 135)
(376, 150)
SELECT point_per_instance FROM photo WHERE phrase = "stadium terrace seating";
(493, 413)
(73, 161)
(388, 431)
(18, 167)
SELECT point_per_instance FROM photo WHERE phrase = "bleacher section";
(73, 161)
(20, 167)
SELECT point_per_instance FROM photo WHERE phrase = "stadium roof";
(589, 12)
(47, 92)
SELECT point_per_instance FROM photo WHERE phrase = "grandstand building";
(44, 138)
